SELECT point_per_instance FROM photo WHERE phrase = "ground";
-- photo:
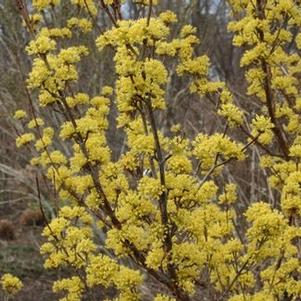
(20, 256)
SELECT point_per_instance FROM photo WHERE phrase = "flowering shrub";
(178, 224)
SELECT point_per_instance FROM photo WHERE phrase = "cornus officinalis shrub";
(166, 214)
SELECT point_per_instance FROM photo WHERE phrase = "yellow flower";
(37, 122)
(168, 17)
(232, 113)
(230, 195)
(11, 284)
(88, 5)
(83, 24)
(161, 297)
(107, 91)
(42, 4)
(20, 114)
(262, 127)
(74, 287)
(207, 147)
(24, 139)
(41, 45)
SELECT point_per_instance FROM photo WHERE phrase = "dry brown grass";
(32, 217)
(7, 230)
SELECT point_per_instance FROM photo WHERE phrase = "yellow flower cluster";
(208, 148)
(87, 5)
(161, 297)
(230, 195)
(262, 127)
(69, 238)
(24, 139)
(104, 271)
(20, 114)
(42, 4)
(74, 287)
(83, 24)
(11, 284)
